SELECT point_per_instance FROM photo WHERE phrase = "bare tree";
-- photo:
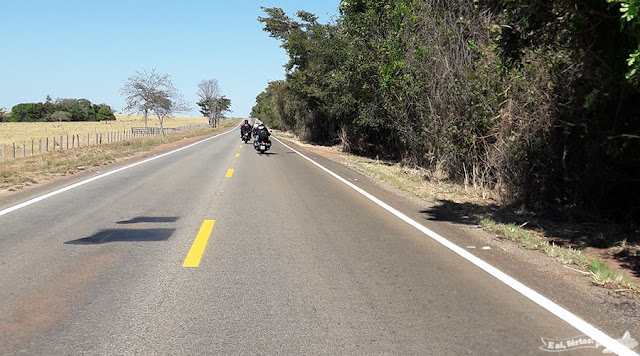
(152, 92)
(212, 104)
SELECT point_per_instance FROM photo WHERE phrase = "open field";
(16, 132)
(19, 173)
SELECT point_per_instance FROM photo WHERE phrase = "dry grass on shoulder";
(22, 172)
(432, 186)
(17, 132)
(421, 182)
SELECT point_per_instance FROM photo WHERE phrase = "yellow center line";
(197, 249)
(240, 146)
(237, 155)
(229, 173)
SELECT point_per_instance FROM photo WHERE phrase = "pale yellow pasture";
(16, 132)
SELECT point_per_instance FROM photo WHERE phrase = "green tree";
(28, 112)
(534, 99)
(213, 105)
(630, 18)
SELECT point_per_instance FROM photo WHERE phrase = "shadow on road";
(124, 235)
(149, 219)
(561, 229)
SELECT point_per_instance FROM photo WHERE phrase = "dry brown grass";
(16, 132)
(432, 186)
(19, 173)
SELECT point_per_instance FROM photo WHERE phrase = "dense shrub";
(61, 110)
(535, 100)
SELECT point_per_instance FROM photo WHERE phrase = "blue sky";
(87, 49)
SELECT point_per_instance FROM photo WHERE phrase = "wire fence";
(67, 142)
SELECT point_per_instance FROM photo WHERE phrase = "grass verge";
(601, 274)
(16, 132)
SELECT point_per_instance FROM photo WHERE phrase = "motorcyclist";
(244, 128)
(262, 134)
(255, 128)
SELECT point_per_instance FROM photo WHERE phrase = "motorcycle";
(246, 136)
(261, 146)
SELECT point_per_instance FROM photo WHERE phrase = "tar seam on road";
(199, 244)
(562, 313)
(75, 185)
(229, 173)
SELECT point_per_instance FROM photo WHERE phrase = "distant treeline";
(61, 110)
(537, 100)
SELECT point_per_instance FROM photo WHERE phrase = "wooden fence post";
(32, 147)
(13, 154)
(46, 146)
(24, 149)
(40, 146)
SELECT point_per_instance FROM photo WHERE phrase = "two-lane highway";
(216, 249)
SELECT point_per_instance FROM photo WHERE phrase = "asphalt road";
(296, 263)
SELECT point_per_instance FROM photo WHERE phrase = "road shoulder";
(612, 312)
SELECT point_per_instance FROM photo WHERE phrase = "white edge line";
(89, 180)
(562, 313)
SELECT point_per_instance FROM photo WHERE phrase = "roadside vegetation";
(532, 107)
(534, 101)
(25, 131)
(59, 110)
(599, 271)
